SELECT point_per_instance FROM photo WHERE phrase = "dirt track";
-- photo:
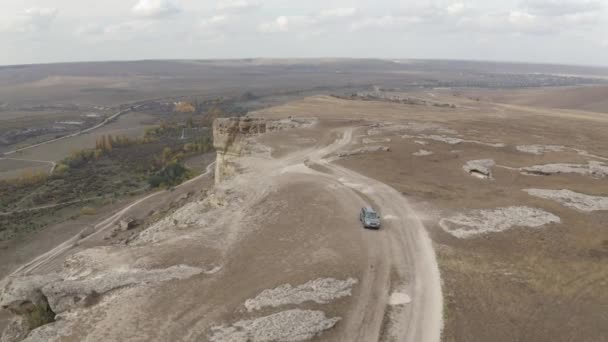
(401, 253)
(59, 252)
(405, 244)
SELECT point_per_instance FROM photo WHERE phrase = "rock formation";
(37, 300)
(480, 168)
(228, 139)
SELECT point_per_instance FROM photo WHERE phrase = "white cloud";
(124, 31)
(280, 24)
(513, 22)
(215, 28)
(524, 22)
(338, 12)
(31, 20)
(90, 30)
(387, 22)
(561, 7)
(309, 25)
(237, 6)
(214, 21)
(155, 8)
(456, 8)
(559, 30)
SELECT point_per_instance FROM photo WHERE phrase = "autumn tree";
(184, 107)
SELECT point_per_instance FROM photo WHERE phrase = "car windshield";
(371, 215)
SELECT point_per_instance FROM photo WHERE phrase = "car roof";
(369, 209)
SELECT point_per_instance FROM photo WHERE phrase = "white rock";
(481, 168)
(289, 326)
(320, 291)
(572, 199)
(592, 169)
(478, 222)
(422, 153)
(540, 149)
(375, 141)
(399, 298)
(362, 150)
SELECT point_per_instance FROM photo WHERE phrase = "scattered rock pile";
(320, 291)
(290, 326)
(480, 168)
(422, 153)
(540, 149)
(478, 222)
(413, 127)
(375, 141)
(37, 300)
(592, 169)
(366, 149)
(572, 199)
(449, 140)
(287, 325)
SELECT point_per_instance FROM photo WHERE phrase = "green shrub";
(173, 173)
(39, 316)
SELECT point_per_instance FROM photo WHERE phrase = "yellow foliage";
(32, 177)
(88, 211)
(61, 169)
(184, 107)
(98, 153)
(189, 147)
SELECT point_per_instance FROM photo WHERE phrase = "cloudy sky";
(552, 31)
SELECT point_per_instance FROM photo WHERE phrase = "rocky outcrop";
(484, 221)
(422, 153)
(540, 149)
(363, 150)
(480, 168)
(229, 135)
(24, 298)
(593, 169)
(35, 300)
(290, 325)
(16, 330)
(320, 291)
(571, 199)
(22, 295)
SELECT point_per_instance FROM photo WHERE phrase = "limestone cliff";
(229, 135)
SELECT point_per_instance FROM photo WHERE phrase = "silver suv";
(369, 218)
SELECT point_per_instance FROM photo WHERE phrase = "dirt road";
(400, 255)
(405, 244)
(84, 131)
(98, 229)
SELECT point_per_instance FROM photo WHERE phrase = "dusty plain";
(275, 252)
(541, 284)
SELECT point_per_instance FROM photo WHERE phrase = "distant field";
(15, 168)
(593, 98)
(131, 125)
